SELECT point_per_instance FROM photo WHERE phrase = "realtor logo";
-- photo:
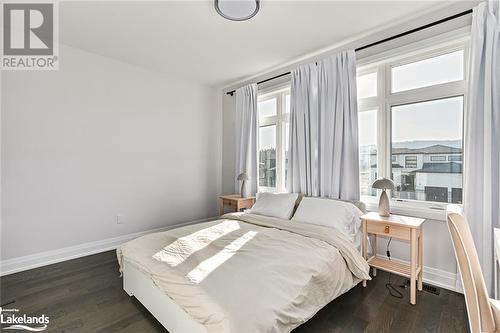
(10, 319)
(29, 38)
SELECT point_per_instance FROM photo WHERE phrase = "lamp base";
(384, 208)
(243, 192)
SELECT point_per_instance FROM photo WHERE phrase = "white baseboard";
(24, 263)
(434, 276)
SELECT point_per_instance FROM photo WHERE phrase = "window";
(444, 68)
(367, 122)
(438, 158)
(410, 123)
(410, 162)
(267, 156)
(367, 85)
(424, 128)
(268, 107)
(274, 109)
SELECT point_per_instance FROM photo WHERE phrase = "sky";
(433, 120)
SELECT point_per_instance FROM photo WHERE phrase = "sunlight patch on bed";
(175, 253)
(200, 272)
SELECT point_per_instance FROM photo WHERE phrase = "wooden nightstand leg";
(413, 266)
(374, 252)
(420, 260)
(221, 207)
(363, 245)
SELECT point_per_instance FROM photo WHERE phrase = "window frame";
(279, 120)
(385, 100)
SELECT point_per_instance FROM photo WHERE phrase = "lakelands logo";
(10, 319)
(30, 36)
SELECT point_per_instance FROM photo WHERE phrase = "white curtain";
(304, 130)
(482, 134)
(247, 136)
(323, 152)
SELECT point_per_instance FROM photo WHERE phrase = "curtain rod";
(449, 18)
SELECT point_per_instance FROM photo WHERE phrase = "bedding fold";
(357, 265)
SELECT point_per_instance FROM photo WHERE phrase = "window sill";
(415, 209)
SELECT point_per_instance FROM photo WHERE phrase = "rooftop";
(450, 167)
(435, 149)
(394, 166)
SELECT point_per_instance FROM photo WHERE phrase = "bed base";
(162, 307)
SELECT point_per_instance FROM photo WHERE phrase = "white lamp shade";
(384, 184)
(243, 176)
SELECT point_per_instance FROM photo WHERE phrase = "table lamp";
(243, 177)
(383, 184)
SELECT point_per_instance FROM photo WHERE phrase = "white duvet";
(249, 273)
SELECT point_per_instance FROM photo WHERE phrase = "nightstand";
(404, 228)
(235, 201)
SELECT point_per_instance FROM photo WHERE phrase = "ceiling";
(189, 39)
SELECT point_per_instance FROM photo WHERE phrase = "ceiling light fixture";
(237, 10)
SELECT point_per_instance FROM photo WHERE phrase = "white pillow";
(274, 204)
(343, 216)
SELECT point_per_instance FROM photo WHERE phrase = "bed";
(242, 273)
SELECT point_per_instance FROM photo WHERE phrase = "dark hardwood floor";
(86, 295)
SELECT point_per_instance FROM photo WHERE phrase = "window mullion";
(267, 121)
(369, 103)
(440, 91)
(382, 123)
(387, 122)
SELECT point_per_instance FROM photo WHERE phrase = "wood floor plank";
(86, 295)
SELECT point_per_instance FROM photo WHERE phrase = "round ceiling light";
(237, 10)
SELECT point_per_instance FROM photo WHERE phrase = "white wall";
(99, 138)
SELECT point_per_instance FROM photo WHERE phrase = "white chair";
(483, 312)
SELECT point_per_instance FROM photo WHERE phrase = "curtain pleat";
(247, 136)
